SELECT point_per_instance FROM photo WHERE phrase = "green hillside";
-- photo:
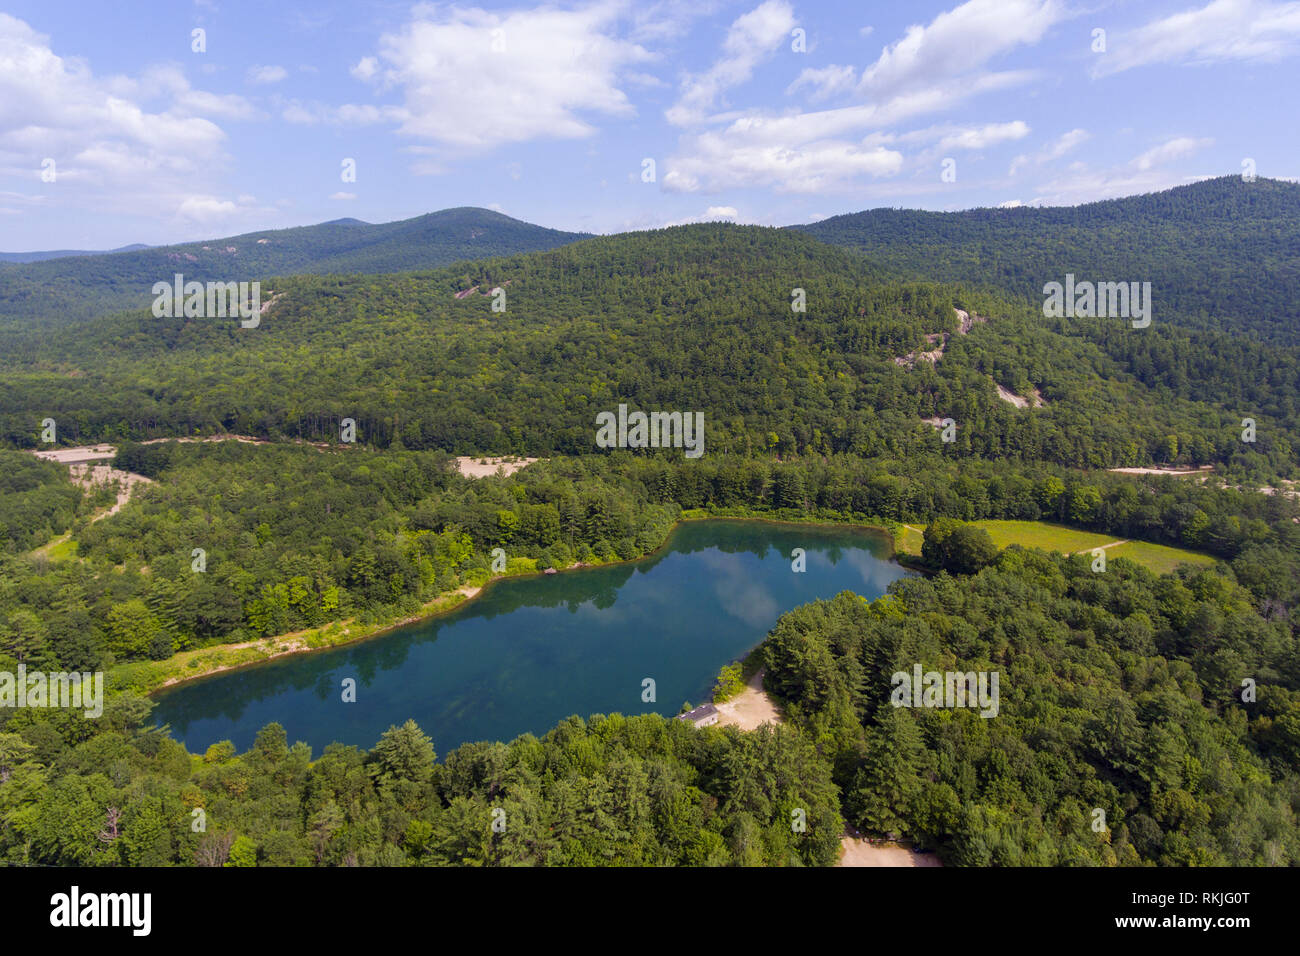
(693, 318)
(1219, 254)
(56, 290)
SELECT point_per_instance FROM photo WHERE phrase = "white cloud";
(349, 114)
(116, 152)
(932, 68)
(470, 79)
(712, 214)
(1223, 30)
(957, 42)
(365, 68)
(343, 196)
(1081, 186)
(741, 156)
(1065, 143)
(266, 74)
(1144, 173)
(143, 146)
(825, 82)
(205, 208)
(213, 210)
(169, 81)
(1173, 149)
(752, 38)
(297, 113)
(668, 19)
(979, 137)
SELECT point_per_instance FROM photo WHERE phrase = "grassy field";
(1157, 557)
(62, 548)
(910, 540)
(1054, 537)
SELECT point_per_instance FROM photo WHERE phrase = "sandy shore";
(858, 852)
(750, 708)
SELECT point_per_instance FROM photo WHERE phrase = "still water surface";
(529, 652)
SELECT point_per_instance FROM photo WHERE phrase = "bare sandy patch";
(74, 456)
(90, 476)
(1019, 400)
(1288, 491)
(84, 471)
(242, 439)
(857, 851)
(1178, 472)
(472, 467)
(749, 709)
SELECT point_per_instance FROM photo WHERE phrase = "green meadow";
(1055, 537)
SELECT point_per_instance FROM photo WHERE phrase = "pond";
(529, 652)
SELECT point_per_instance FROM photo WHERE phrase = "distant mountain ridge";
(1220, 254)
(24, 257)
(83, 286)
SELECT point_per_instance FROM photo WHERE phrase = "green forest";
(694, 318)
(1220, 254)
(1122, 691)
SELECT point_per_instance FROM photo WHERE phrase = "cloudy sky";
(120, 123)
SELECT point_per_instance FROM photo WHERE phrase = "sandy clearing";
(475, 467)
(78, 455)
(856, 851)
(242, 439)
(1018, 400)
(89, 476)
(1289, 491)
(749, 709)
(1177, 472)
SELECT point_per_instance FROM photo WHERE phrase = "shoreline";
(268, 649)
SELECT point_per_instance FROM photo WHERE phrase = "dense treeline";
(1219, 254)
(295, 537)
(37, 501)
(606, 791)
(689, 319)
(1119, 694)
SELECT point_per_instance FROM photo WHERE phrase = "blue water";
(529, 652)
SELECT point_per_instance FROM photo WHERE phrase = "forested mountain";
(693, 318)
(809, 363)
(56, 290)
(1222, 254)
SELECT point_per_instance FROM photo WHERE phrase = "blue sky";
(770, 112)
